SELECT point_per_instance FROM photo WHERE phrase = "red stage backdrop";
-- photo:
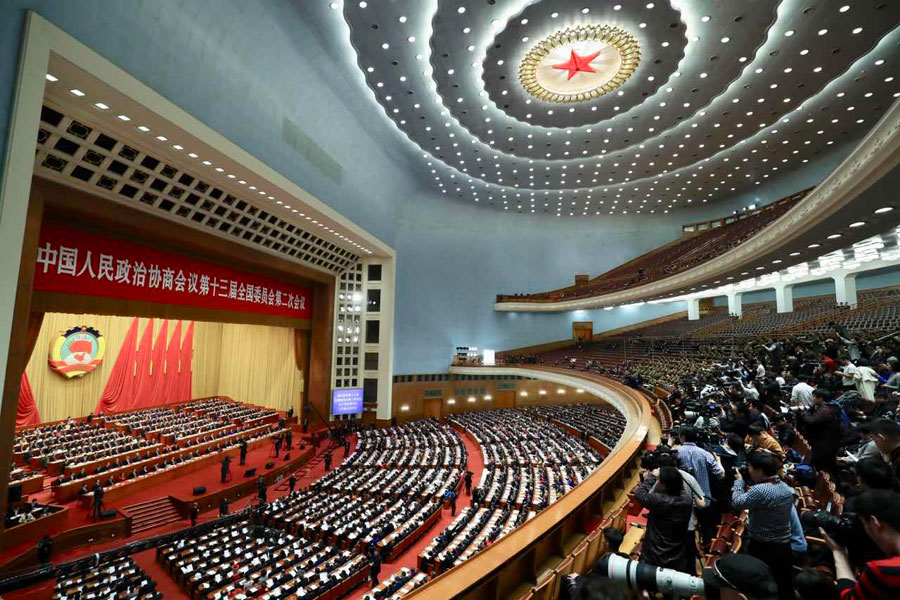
(74, 262)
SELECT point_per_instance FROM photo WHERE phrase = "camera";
(651, 459)
(840, 528)
(641, 576)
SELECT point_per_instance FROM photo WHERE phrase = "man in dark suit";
(292, 483)
(243, 451)
(278, 441)
(375, 568)
(468, 480)
(195, 512)
(288, 439)
(226, 467)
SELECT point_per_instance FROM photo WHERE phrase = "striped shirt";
(879, 580)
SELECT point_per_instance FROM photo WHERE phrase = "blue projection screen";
(347, 401)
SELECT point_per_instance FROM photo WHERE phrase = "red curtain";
(116, 394)
(27, 414)
(169, 392)
(185, 372)
(158, 378)
(141, 382)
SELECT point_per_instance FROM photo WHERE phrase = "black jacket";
(666, 542)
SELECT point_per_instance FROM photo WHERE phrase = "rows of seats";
(673, 258)
(225, 410)
(397, 585)
(114, 578)
(375, 500)
(73, 442)
(245, 561)
(599, 421)
(529, 463)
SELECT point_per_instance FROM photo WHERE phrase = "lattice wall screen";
(349, 316)
(75, 151)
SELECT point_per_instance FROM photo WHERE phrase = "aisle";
(409, 558)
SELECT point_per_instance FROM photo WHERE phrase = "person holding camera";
(879, 513)
(666, 543)
(769, 502)
(701, 464)
(823, 429)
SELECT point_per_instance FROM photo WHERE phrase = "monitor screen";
(347, 401)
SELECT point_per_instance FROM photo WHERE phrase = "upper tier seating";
(670, 259)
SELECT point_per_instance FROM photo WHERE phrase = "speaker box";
(250, 472)
(270, 464)
(287, 457)
(200, 489)
(108, 513)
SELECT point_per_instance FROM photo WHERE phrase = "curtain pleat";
(141, 382)
(114, 398)
(158, 364)
(27, 413)
(171, 382)
(185, 372)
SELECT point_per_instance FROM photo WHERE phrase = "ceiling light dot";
(705, 19)
(50, 78)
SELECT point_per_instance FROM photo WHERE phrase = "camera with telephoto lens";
(842, 528)
(642, 576)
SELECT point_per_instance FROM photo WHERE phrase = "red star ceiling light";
(580, 64)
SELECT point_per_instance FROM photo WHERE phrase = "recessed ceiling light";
(795, 254)
(411, 39)
(726, 39)
(884, 209)
(402, 19)
(704, 19)
(162, 138)
(143, 128)
(844, 8)
(857, 30)
(823, 31)
(76, 92)
(333, 6)
(813, 246)
(50, 77)
(192, 154)
(363, 4)
(858, 224)
(178, 147)
(789, 33)
(124, 118)
(554, 15)
(834, 236)
(461, 9)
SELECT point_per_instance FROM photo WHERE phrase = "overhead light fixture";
(76, 92)
(123, 118)
(884, 209)
(834, 236)
(858, 224)
(101, 106)
(143, 128)
(50, 77)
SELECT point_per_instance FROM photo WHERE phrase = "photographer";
(886, 435)
(824, 431)
(666, 543)
(701, 464)
(769, 502)
(879, 512)
(759, 438)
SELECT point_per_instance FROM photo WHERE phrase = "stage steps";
(152, 513)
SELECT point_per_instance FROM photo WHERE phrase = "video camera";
(651, 458)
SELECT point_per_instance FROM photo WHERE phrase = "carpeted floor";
(312, 471)
(181, 487)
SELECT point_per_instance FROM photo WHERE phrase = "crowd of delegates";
(384, 493)
(247, 560)
(74, 443)
(25, 512)
(802, 437)
(400, 583)
(528, 464)
(114, 578)
(599, 421)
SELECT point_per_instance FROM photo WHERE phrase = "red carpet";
(312, 471)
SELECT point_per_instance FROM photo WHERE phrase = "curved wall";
(259, 73)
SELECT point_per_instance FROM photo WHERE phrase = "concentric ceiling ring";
(617, 50)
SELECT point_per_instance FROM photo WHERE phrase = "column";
(734, 303)
(693, 305)
(784, 298)
(845, 288)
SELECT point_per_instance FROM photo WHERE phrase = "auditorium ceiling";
(576, 108)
